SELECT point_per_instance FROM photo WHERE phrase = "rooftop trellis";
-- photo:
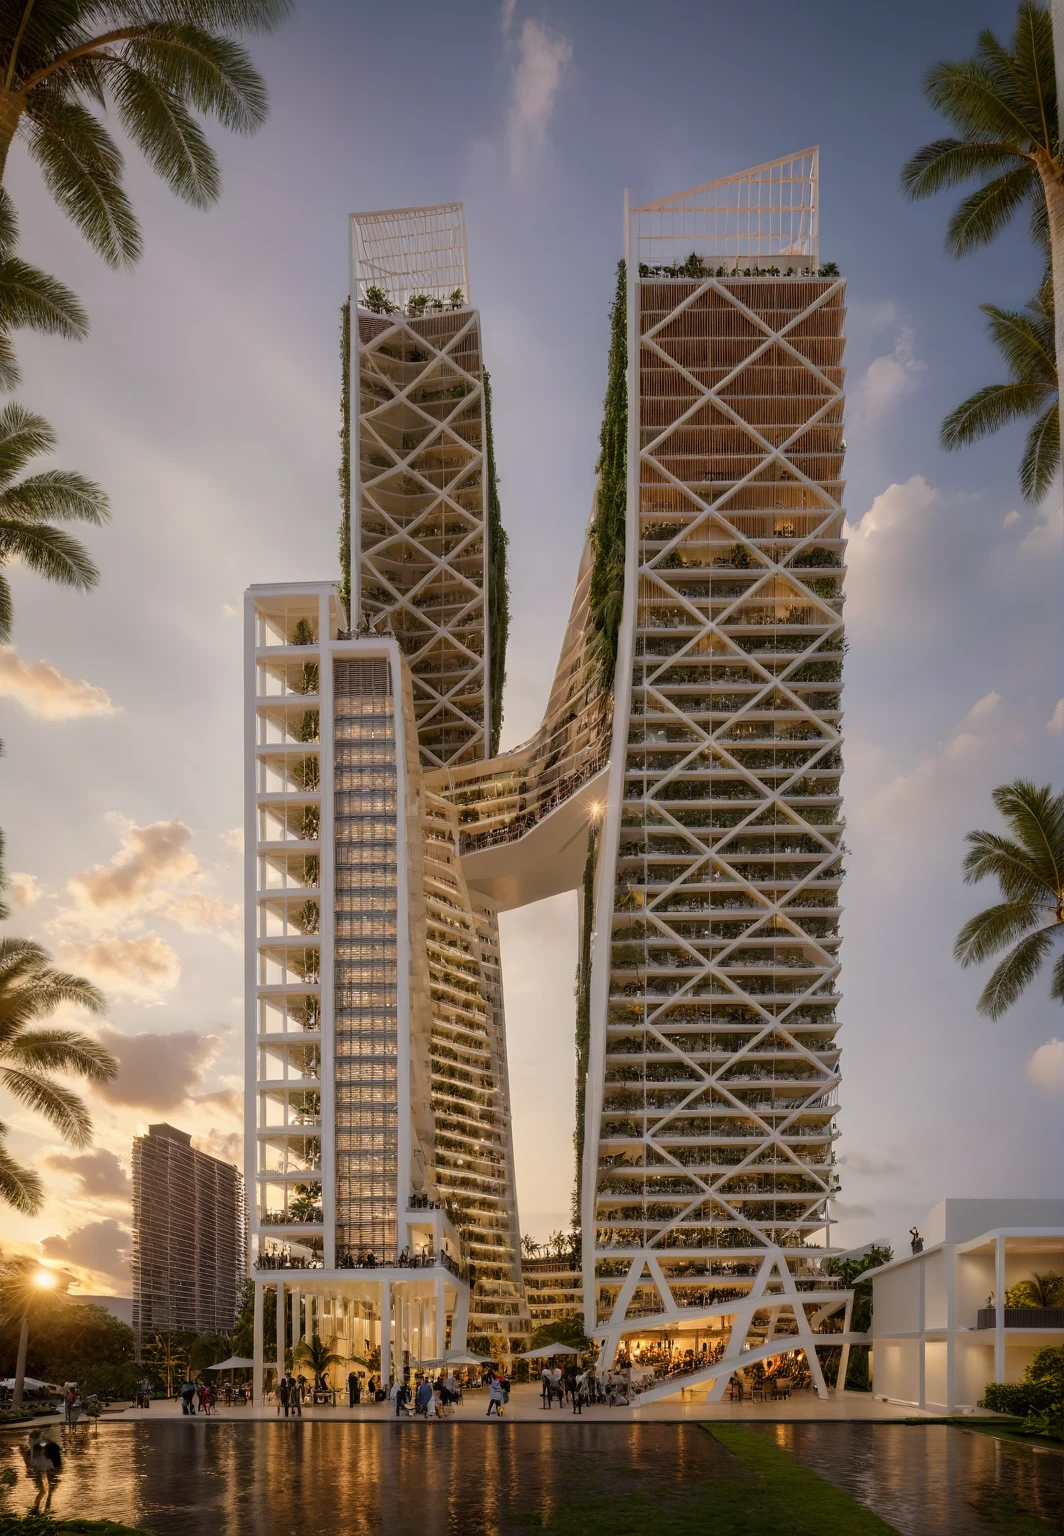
(769, 210)
(407, 251)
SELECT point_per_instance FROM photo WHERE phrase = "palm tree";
(30, 298)
(529, 1247)
(157, 64)
(1029, 868)
(317, 1356)
(1003, 102)
(31, 989)
(26, 534)
(1025, 340)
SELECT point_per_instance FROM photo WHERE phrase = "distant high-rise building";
(189, 1236)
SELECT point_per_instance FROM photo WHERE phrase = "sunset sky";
(206, 401)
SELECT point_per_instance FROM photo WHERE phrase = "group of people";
(579, 1387)
(291, 1395)
(422, 1398)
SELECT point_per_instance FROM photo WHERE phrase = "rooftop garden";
(695, 267)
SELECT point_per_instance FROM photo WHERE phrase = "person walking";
(580, 1393)
(399, 1398)
(496, 1396)
(297, 1391)
(188, 1392)
(544, 1377)
(352, 1389)
(282, 1394)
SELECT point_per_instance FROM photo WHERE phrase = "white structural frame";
(410, 251)
(390, 1289)
(398, 481)
(769, 210)
(691, 219)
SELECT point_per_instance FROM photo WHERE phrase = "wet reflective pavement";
(358, 1479)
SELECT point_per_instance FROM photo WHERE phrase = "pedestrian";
(496, 1396)
(556, 1388)
(449, 1393)
(297, 1391)
(44, 1462)
(70, 1398)
(580, 1393)
(423, 1396)
(206, 1398)
(544, 1377)
(145, 1393)
(188, 1392)
(352, 1389)
(282, 1394)
(358, 1388)
(399, 1398)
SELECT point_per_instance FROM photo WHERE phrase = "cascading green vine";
(498, 581)
(606, 596)
(345, 458)
(583, 1007)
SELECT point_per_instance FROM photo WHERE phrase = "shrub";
(1040, 1392)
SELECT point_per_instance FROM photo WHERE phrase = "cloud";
(146, 857)
(44, 692)
(542, 57)
(100, 1249)
(25, 889)
(157, 1071)
(141, 968)
(1054, 723)
(228, 1147)
(1046, 1066)
(99, 1173)
(196, 913)
(1011, 519)
(888, 378)
(506, 15)
(234, 839)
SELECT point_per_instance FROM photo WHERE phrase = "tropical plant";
(1026, 341)
(29, 509)
(30, 299)
(1042, 1288)
(208, 1349)
(157, 64)
(31, 989)
(1040, 1395)
(561, 1330)
(1029, 868)
(606, 589)
(318, 1356)
(529, 1247)
(850, 1273)
(1003, 103)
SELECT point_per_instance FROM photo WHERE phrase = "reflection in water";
(932, 1480)
(350, 1479)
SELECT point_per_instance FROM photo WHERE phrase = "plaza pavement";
(525, 1406)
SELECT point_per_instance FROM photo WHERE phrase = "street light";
(40, 1279)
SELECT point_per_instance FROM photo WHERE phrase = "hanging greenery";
(345, 458)
(583, 1008)
(606, 597)
(498, 582)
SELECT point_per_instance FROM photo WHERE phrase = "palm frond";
(1041, 455)
(20, 1187)
(58, 493)
(23, 435)
(1009, 863)
(982, 216)
(989, 931)
(1016, 972)
(49, 552)
(29, 297)
(950, 162)
(214, 74)
(223, 15)
(1025, 340)
(7, 615)
(57, 1103)
(62, 1050)
(1036, 816)
(981, 101)
(8, 223)
(1034, 69)
(1056, 989)
(82, 166)
(10, 373)
(988, 410)
(166, 133)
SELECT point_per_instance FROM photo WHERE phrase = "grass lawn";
(755, 1489)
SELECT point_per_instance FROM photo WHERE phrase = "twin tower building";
(684, 782)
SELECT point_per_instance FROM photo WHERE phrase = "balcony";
(1022, 1317)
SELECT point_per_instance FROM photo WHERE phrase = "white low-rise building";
(940, 1327)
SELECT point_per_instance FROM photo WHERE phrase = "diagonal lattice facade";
(713, 1082)
(422, 546)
